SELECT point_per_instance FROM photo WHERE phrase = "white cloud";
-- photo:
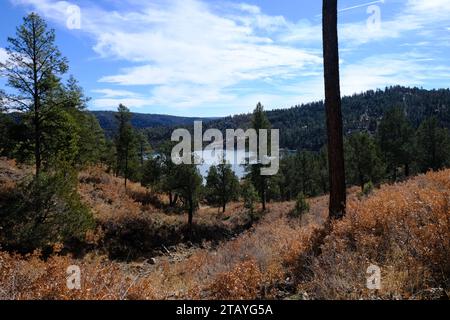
(184, 46)
(112, 103)
(374, 72)
(111, 93)
(185, 53)
(3, 55)
(414, 16)
(435, 9)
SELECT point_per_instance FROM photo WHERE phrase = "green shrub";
(42, 212)
(367, 190)
(301, 206)
(250, 195)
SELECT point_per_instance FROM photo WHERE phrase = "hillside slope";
(403, 228)
(108, 123)
(303, 126)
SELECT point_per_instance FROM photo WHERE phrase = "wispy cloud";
(111, 93)
(3, 55)
(190, 52)
(193, 53)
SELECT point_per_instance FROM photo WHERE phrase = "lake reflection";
(213, 158)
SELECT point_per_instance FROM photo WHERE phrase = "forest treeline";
(303, 126)
(390, 135)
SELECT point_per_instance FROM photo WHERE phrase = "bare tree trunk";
(170, 199)
(191, 211)
(36, 102)
(333, 110)
(37, 140)
(263, 193)
(126, 166)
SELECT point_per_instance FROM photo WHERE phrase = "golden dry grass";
(402, 228)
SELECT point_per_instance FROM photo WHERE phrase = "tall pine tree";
(333, 110)
(33, 70)
(125, 141)
(433, 145)
(259, 122)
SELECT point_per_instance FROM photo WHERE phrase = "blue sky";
(217, 57)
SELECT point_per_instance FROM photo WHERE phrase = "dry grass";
(402, 228)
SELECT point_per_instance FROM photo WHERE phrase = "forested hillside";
(107, 120)
(303, 126)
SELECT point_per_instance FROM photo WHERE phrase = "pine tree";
(333, 110)
(307, 173)
(143, 147)
(323, 171)
(250, 196)
(125, 141)
(188, 187)
(259, 122)
(165, 168)
(396, 140)
(222, 185)
(363, 160)
(33, 70)
(433, 145)
(91, 138)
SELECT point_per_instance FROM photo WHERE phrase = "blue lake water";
(209, 159)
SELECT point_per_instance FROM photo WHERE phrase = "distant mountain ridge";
(107, 120)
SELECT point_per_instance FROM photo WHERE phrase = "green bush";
(301, 206)
(42, 212)
(367, 190)
(250, 197)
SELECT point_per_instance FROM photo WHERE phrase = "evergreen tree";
(143, 147)
(301, 206)
(188, 185)
(259, 122)
(396, 137)
(363, 160)
(168, 181)
(125, 141)
(152, 173)
(222, 185)
(33, 70)
(249, 195)
(307, 173)
(433, 145)
(323, 171)
(91, 142)
(333, 110)
(44, 211)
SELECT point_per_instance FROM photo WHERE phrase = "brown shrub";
(31, 277)
(402, 228)
(241, 283)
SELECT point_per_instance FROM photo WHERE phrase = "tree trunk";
(263, 193)
(36, 102)
(126, 166)
(406, 170)
(361, 181)
(333, 110)
(37, 141)
(170, 199)
(191, 212)
(224, 204)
